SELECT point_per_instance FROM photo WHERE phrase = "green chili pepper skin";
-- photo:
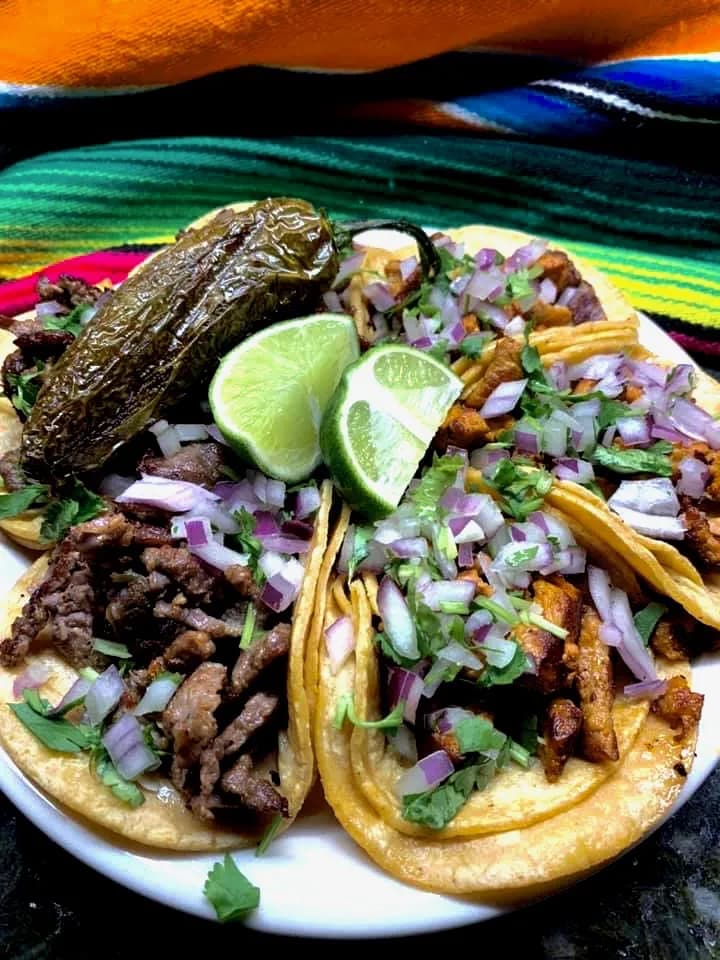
(164, 330)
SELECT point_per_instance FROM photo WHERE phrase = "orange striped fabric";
(113, 43)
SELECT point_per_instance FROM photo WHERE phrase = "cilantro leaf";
(345, 710)
(529, 734)
(652, 460)
(501, 676)
(80, 505)
(389, 651)
(519, 557)
(473, 345)
(476, 735)
(229, 891)
(70, 322)
(17, 502)
(647, 619)
(361, 537)
(532, 365)
(55, 734)
(433, 484)
(111, 649)
(248, 628)
(523, 490)
(104, 769)
(247, 542)
(269, 835)
(26, 387)
(436, 808)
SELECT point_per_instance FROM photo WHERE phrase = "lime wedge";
(269, 393)
(380, 422)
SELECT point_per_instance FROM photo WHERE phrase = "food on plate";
(486, 676)
(155, 673)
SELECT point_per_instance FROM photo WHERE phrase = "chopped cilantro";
(248, 630)
(17, 502)
(54, 733)
(521, 556)
(647, 619)
(269, 835)
(477, 735)
(433, 484)
(246, 542)
(229, 891)
(522, 489)
(519, 754)
(345, 710)
(502, 676)
(653, 460)
(529, 734)
(473, 345)
(532, 365)
(362, 535)
(436, 808)
(26, 387)
(106, 772)
(80, 505)
(389, 651)
(70, 322)
(111, 649)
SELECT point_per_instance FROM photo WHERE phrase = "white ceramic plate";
(315, 882)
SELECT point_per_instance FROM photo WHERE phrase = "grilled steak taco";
(483, 692)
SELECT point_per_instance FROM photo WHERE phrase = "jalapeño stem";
(429, 257)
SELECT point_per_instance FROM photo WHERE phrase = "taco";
(484, 694)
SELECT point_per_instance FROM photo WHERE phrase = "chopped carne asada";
(595, 686)
(561, 729)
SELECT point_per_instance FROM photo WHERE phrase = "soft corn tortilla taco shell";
(162, 820)
(516, 863)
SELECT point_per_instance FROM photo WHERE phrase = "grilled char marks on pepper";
(561, 730)
(595, 685)
(175, 615)
(167, 326)
(679, 706)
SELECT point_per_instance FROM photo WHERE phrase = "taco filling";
(477, 295)
(175, 607)
(627, 429)
(498, 647)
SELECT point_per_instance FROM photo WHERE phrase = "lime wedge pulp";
(381, 420)
(269, 393)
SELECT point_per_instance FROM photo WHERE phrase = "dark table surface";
(660, 902)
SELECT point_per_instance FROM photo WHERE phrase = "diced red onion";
(76, 693)
(667, 433)
(379, 296)
(466, 530)
(298, 529)
(198, 532)
(281, 543)
(647, 688)
(307, 501)
(332, 302)
(540, 520)
(644, 373)
(169, 442)
(340, 642)
(525, 256)
(397, 620)
(558, 375)
(554, 438)
(448, 591)
(571, 469)
(486, 257)
(31, 678)
(403, 743)
(659, 528)
(214, 432)
(548, 290)
(655, 496)
(219, 556)
(454, 333)
(157, 696)
(567, 296)
(497, 650)
(175, 496)
(113, 484)
(189, 432)
(515, 327)
(487, 460)
(507, 562)
(503, 399)
(476, 621)
(490, 312)
(465, 555)
(407, 267)
(486, 284)
(635, 431)
(609, 435)
(595, 368)
(599, 587)
(278, 593)
(517, 534)
(104, 694)
(632, 650)
(427, 774)
(410, 547)
(460, 656)
(348, 266)
(570, 561)
(271, 563)
(128, 751)
(275, 493)
(408, 686)
(48, 308)
(610, 635)
(681, 380)
(694, 476)
(695, 422)
(527, 438)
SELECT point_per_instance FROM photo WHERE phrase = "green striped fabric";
(654, 228)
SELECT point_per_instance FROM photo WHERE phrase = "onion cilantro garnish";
(229, 891)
